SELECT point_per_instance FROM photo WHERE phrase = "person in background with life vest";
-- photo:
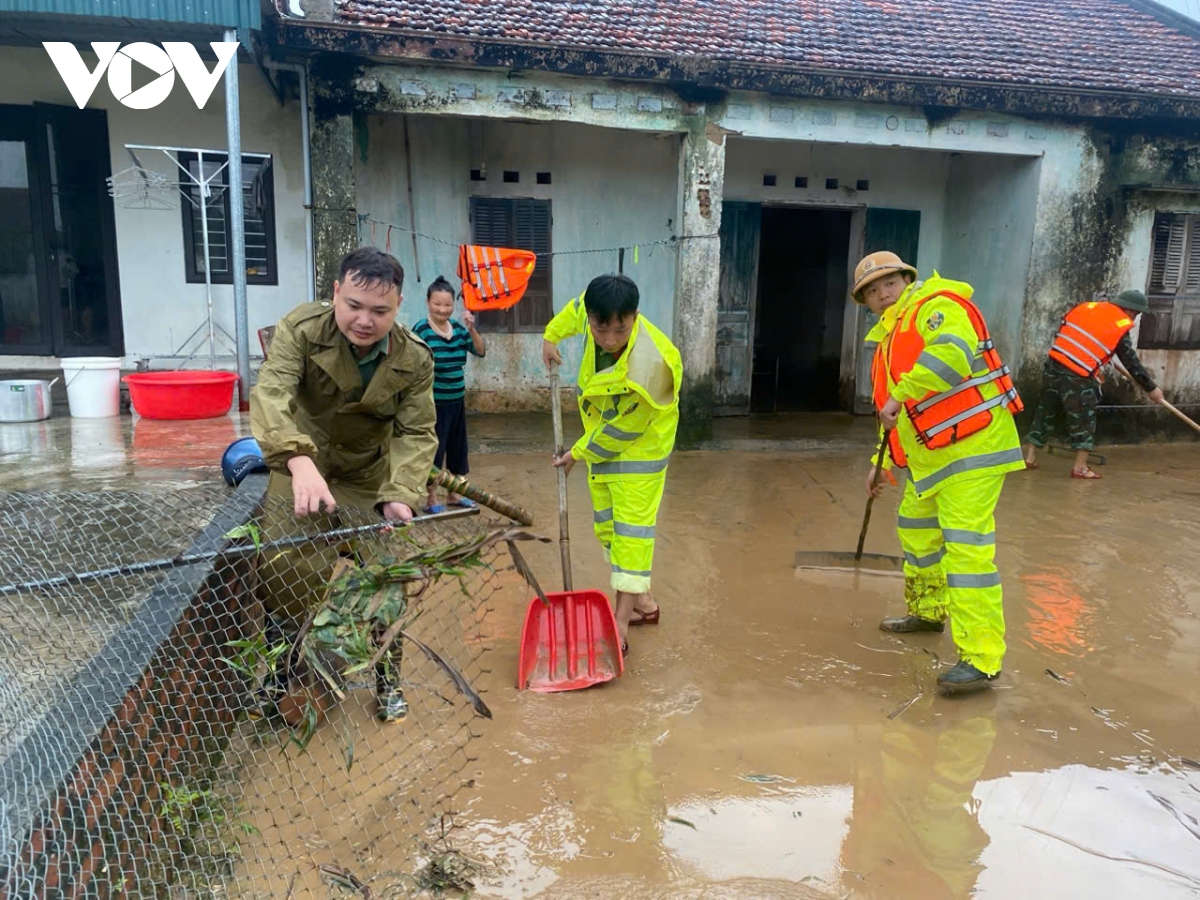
(1089, 336)
(629, 381)
(941, 388)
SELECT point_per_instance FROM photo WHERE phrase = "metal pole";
(306, 148)
(212, 344)
(233, 128)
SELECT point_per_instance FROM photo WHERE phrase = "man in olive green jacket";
(344, 405)
(343, 411)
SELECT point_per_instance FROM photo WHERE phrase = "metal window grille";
(258, 192)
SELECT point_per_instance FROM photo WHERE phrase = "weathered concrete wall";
(1092, 233)
(1178, 371)
(159, 308)
(335, 217)
(898, 178)
(979, 219)
(608, 189)
(990, 207)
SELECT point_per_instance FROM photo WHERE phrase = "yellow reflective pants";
(624, 513)
(914, 821)
(949, 542)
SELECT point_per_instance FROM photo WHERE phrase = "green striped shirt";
(449, 359)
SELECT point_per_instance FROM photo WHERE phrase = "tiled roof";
(1083, 44)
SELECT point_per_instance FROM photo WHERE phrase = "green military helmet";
(1132, 300)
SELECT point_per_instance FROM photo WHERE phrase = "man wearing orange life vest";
(941, 387)
(1089, 336)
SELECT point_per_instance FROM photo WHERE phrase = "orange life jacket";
(942, 417)
(493, 277)
(1088, 337)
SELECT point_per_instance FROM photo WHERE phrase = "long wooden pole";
(1181, 416)
(1171, 409)
(564, 531)
(862, 535)
(459, 485)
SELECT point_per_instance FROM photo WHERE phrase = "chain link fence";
(203, 696)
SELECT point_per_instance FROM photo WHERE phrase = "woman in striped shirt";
(450, 342)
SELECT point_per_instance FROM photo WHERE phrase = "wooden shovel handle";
(1166, 403)
(879, 458)
(1180, 415)
(564, 531)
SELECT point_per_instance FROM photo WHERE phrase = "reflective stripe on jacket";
(946, 353)
(1088, 337)
(630, 410)
(945, 416)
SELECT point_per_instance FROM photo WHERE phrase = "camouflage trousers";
(1067, 406)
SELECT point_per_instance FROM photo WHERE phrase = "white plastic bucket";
(93, 386)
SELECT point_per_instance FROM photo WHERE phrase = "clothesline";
(673, 240)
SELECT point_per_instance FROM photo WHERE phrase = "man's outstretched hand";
(394, 511)
(309, 489)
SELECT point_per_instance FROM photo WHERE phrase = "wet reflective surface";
(767, 740)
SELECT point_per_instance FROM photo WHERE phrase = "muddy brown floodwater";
(767, 741)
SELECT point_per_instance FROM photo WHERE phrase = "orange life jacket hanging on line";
(1088, 337)
(943, 417)
(493, 277)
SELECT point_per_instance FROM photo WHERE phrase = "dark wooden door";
(741, 224)
(897, 230)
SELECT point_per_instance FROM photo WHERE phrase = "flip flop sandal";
(464, 503)
(1030, 466)
(435, 509)
(641, 618)
(1087, 475)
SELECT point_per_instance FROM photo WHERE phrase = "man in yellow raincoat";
(629, 400)
(948, 400)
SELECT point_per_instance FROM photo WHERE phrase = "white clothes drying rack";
(142, 188)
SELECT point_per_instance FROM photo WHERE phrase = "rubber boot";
(910, 624)
(964, 678)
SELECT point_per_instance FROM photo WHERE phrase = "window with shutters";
(1173, 322)
(522, 225)
(258, 199)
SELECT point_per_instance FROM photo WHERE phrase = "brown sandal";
(641, 618)
(1087, 474)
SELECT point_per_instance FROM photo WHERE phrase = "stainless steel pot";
(25, 400)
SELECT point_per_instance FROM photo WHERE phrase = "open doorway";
(58, 267)
(801, 304)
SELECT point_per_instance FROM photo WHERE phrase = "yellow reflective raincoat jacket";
(945, 520)
(630, 410)
(630, 413)
(947, 330)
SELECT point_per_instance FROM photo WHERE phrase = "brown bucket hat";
(875, 266)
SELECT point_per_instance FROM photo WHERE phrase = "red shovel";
(570, 639)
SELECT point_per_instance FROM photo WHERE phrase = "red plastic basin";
(181, 395)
